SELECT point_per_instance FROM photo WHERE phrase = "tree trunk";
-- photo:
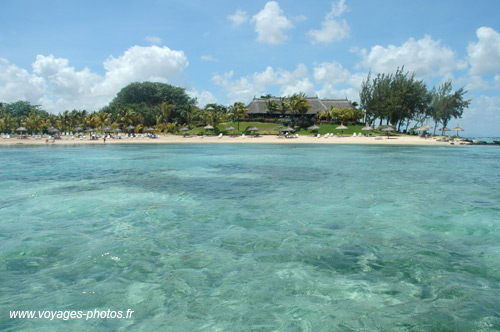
(407, 125)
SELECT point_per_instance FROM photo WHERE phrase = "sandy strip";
(266, 139)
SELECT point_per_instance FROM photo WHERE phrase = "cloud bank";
(58, 86)
(270, 24)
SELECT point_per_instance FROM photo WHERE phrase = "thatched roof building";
(257, 106)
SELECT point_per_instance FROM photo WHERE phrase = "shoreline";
(263, 139)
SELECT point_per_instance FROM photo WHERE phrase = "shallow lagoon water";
(252, 237)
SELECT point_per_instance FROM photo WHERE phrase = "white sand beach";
(265, 139)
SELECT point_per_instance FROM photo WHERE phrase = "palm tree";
(190, 113)
(127, 117)
(284, 106)
(272, 106)
(239, 111)
(9, 123)
(298, 104)
(34, 123)
(52, 121)
(166, 111)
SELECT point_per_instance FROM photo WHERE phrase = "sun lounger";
(354, 135)
(220, 135)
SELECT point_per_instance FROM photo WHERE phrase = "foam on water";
(252, 237)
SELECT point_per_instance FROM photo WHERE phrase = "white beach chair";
(359, 134)
(319, 135)
(220, 135)
(242, 135)
(354, 135)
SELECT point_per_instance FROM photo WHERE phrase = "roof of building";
(258, 105)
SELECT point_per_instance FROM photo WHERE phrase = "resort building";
(258, 109)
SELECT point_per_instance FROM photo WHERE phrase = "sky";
(65, 54)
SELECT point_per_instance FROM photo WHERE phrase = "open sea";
(251, 237)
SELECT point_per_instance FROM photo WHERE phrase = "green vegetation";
(398, 99)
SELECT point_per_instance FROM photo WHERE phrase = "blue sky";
(79, 54)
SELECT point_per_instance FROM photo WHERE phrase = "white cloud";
(332, 28)
(331, 72)
(270, 24)
(484, 56)
(473, 82)
(303, 85)
(332, 92)
(153, 40)
(57, 86)
(238, 90)
(335, 82)
(17, 84)
(426, 57)
(208, 58)
(158, 64)
(482, 118)
(299, 18)
(238, 18)
(64, 81)
(203, 98)
(260, 83)
(338, 8)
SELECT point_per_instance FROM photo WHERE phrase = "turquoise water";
(252, 237)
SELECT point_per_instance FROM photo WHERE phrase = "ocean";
(250, 237)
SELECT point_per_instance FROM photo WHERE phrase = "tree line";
(163, 107)
(400, 99)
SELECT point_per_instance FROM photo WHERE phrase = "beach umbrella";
(314, 127)
(107, 128)
(21, 129)
(230, 128)
(208, 127)
(90, 130)
(388, 130)
(184, 129)
(130, 127)
(77, 129)
(367, 128)
(150, 129)
(428, 126)
(457, 129)
(52, 130)
(341, 128)
(253, 128)
(116, 130)
(444, 129)
(289, 129)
